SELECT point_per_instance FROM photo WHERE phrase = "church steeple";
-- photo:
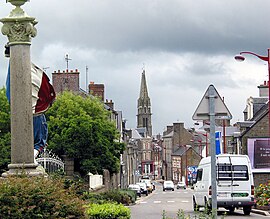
(144, 107)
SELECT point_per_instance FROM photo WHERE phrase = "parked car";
(148, 184)
(235, 186)
(144, 189)
(181, 185)
(168, 185)
(136, 188)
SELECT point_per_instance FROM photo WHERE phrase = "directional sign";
(202, 111)
(137, 172)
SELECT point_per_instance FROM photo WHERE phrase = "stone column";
(19, 28)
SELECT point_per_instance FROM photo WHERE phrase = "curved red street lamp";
(264, 58)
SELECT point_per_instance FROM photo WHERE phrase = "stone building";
(174, 138)
(254, 137)
(183, 157)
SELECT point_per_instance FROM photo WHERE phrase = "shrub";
(131, 194)
(125, 197)
(119, 196)
(262, 195)
(108, 211)
(38, 197)
(94, 198)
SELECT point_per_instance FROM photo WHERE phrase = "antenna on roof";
(86, 74)
(45, 68)
(67, 59)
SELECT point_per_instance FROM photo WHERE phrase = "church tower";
(144, 108)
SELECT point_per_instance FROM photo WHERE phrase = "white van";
(235, 186)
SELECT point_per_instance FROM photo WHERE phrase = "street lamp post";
(264, 58)
(165, 162)
(206, 143)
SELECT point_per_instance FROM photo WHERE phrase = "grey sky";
(185, 46)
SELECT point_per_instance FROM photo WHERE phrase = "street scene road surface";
(152, 206)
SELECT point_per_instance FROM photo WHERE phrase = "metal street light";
(264, 58)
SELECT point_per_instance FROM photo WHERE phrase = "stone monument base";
(23, 169)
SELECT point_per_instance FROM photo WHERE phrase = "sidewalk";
(261, 212)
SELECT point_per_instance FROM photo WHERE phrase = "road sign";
(137, 172)
(202, 111)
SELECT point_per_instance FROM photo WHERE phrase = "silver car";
(168, 185)
(136, 188)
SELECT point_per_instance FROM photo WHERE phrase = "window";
(199, 175)
(232, 172)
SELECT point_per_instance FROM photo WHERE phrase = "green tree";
(80, 128)
(4, 131)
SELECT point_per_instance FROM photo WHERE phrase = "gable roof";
(257, 118)
(181, 150)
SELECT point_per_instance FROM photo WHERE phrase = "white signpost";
(210, 108)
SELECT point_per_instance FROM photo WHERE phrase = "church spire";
(144, 107)
(143, 90)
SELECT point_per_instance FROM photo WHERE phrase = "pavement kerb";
(144, 198)
(257, 211)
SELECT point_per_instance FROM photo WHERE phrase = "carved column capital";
(18, 26)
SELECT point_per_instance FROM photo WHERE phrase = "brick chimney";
(110, 104)
(263, 89)
(96, 90)
(66, 80)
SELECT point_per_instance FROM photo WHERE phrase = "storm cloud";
(184, 45)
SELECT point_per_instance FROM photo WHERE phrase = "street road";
(152, 206)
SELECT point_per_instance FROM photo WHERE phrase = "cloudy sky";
(184, 45)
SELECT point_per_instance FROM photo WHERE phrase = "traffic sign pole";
(212, 107)
(212, 96)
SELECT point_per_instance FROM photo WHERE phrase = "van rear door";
(234, 180)
(224, 183)
(241, 179)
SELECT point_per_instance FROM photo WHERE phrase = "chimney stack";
(96, 90)
(263, 89)
(110, 104)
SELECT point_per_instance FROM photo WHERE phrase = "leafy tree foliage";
(80, 128)
(4, 131)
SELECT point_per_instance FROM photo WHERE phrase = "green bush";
(38, 197)
(125, 197)
(108, 211)
(94, 198)
(131, 193)
(119, 196)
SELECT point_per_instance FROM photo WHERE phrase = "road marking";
(156, 202)
(143, 202)
(184, 201)
(170, 201)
